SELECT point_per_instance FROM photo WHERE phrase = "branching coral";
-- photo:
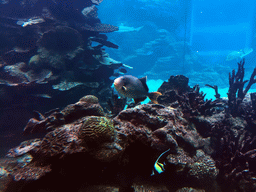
(235, 154)
(215, 87)
(233, 149)
(232, 133)
(177, 93)
(236, 92)
(249, 110)
(116, 104)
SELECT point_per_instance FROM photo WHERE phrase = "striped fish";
(159, 167)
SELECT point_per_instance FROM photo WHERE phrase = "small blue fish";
(159, 167)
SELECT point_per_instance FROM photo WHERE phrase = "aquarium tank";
(127, 95)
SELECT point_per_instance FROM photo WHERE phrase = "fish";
(159, 167)
(237, 55)
(118, 72)
(31, 21)
(47, 96)
(123, 70)
(135, 88)
(123, 28)
(127, 66)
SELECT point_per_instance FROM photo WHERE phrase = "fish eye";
(123, 88)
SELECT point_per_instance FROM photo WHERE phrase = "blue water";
(210, 29)
(200, 39)
(160, 38)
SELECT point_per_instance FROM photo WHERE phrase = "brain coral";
(203, 168)
(96, 130)
(89, 99)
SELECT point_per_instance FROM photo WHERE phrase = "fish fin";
(144, 82)
(153, 96)
(165, 152)
(127, 66)
(137, 100)
(124, 88)
(38, 116)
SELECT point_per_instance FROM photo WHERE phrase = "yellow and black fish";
(159, 167)
(133, 87)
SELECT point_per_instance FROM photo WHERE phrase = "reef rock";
(82, 139)
(58, 46)
(157, 126)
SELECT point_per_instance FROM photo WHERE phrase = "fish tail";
(153, 96)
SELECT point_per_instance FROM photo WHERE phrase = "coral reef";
(232, 135)
(58, 45)
(234, 146)
(227, 124)
(116, 104)
(96, 130)
(86, 105)
(48, 59)
(199, 169)
(236, 93)
(131, 141)
(177, 93)
(208, 148)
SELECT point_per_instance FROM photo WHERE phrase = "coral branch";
(236, 94)
(215, 87)
(251, 82)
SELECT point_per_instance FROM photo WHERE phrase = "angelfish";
(159, 167)
(133, 87)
